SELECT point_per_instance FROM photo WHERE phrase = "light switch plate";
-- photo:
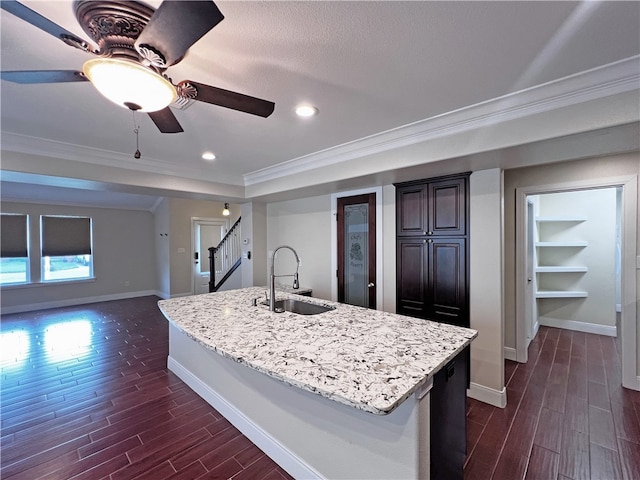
(181, 250)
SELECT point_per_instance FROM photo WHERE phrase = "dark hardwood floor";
(567, 417)
(85, 394)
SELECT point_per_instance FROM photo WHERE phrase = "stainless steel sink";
(300, 307)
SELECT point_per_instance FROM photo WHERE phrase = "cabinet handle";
(429, 233)
(430, 240)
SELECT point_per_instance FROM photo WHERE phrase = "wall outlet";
(181, 250)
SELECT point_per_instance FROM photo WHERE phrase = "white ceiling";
(369, 67)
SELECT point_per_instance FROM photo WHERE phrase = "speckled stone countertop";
(367, 359)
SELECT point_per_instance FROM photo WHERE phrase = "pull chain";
(136, 130)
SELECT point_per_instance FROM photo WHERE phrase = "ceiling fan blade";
(226, 98)
(43, 76)
(34, 18)
(166, 121)
(175, 26)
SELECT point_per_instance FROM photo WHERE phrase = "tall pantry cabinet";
(432, 249)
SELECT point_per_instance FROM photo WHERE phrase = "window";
(14, 253)
(66, 247)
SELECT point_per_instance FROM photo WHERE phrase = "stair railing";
(225, 258)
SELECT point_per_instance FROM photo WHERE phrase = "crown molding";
(615, 78)
(14, 142)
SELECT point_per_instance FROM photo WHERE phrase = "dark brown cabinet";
(432, 249)
(437, 208)
(448, 428)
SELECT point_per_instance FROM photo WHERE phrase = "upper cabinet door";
(447, 200)
(412, 208)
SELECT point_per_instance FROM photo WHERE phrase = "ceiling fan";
(135, 45)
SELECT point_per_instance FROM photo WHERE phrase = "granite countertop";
(367, 359)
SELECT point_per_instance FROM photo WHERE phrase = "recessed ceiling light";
(208, 156)
(306, 111)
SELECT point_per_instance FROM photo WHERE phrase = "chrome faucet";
(296, 283)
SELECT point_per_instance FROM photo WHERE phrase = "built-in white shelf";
(561, 269)
(561, 219)
(561, 244)
(561, 294)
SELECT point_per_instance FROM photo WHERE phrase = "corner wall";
(180, 262)
(123, 251)
(486, 289)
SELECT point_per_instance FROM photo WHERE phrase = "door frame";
(379, 249)
(371, 265)
(531, 324)
(628, 327)
(194, 222)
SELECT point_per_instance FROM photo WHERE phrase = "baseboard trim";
(635, 386)
(510, 354)
(184, 294)
(579, 326)
(275, 450)
(71, 302)
(497, 398)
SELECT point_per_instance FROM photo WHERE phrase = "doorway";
(357, 250)
(205, 233)
(569, 275)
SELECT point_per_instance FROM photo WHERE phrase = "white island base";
(308, 435)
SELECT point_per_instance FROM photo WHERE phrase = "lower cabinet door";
(448, 419)
(412, 277)
(431, 279)
(447, 283)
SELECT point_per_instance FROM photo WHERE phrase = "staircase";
(225, 258)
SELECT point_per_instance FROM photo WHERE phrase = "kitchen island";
(341, 394)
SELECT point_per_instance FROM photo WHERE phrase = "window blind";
(65, 236)
(14, 236)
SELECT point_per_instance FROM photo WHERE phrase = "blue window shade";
(13, 243)
(65, 236)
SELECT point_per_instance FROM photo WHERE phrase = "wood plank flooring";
(85, 394)
(567, 417)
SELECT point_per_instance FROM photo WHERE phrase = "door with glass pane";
(206, 233)
(357, 250)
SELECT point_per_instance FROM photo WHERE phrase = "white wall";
(161, 236)
(123, 251)
(305, 225)
(254, 244)
(485, 295)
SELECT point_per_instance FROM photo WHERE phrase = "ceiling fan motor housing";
(115, 26)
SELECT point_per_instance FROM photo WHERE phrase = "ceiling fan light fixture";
(125, 82)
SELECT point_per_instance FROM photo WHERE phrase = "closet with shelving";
(574, 271)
